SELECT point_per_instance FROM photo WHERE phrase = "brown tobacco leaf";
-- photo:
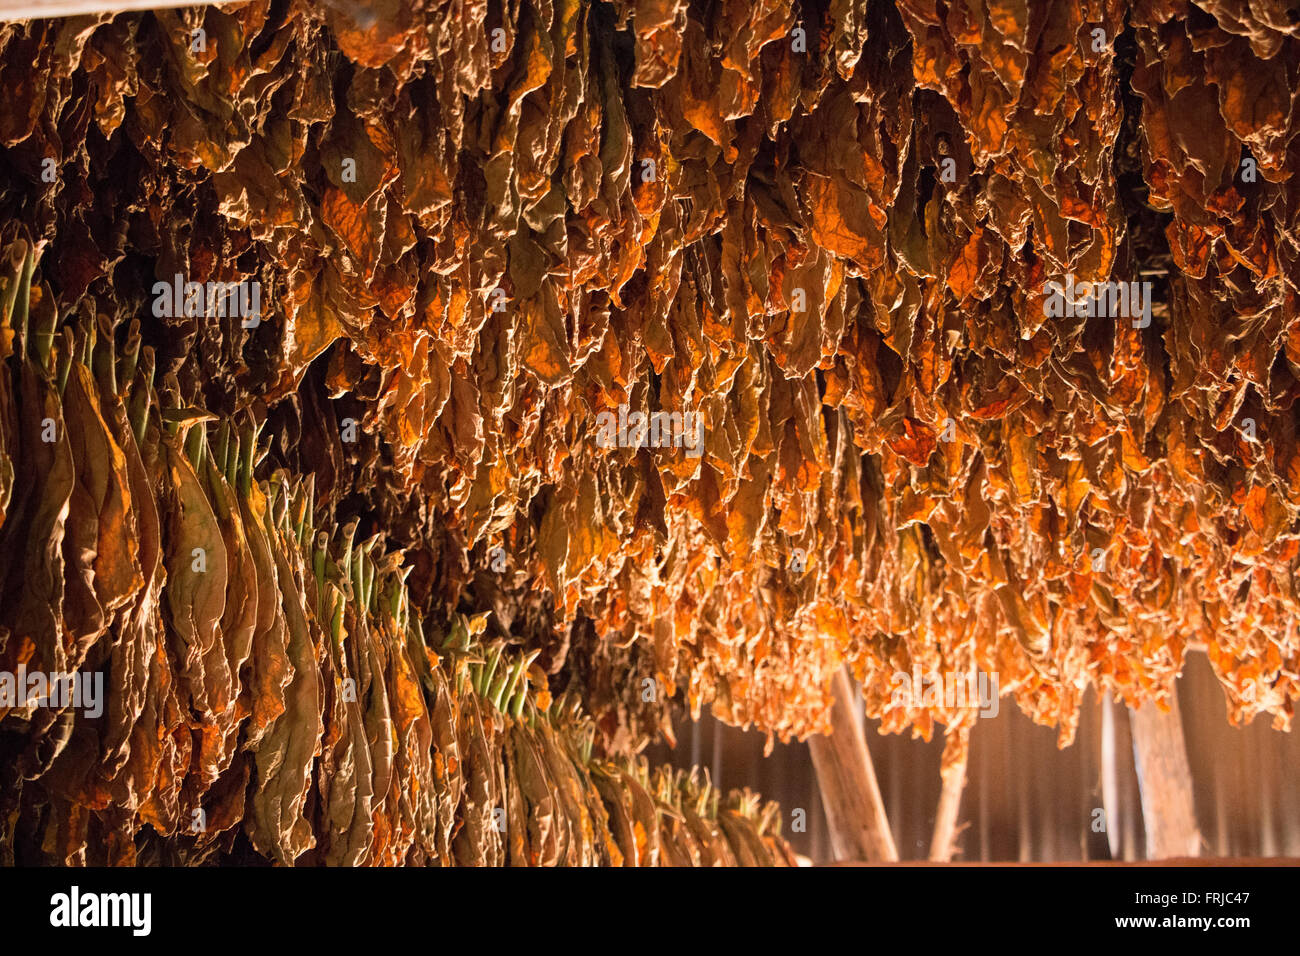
(478, 842)
(102, 501)
(197, 577)
(284, 757)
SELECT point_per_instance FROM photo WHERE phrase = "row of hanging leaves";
(267, 690)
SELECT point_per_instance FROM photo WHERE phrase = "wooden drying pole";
(1165, 781)
(43, 9)
(855, 813)
(956, 754)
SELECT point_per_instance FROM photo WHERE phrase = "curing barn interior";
(648, 432)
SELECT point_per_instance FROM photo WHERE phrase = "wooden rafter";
(39, 9)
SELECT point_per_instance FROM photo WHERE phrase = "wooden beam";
(1262, 861)
(952, 771)
(44, 9)
(1165, 782)
(855, 813)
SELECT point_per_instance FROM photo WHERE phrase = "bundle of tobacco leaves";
(828, 229)
(265, 690)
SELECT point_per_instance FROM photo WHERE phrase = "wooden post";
(1165, 782)
(952, 771)
(1110, 778)
(855, 813)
